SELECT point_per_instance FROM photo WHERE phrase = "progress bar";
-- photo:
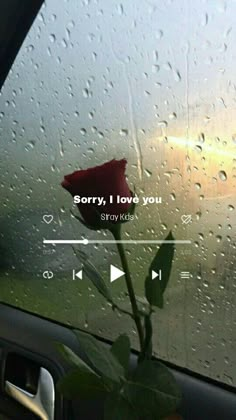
(112, 241)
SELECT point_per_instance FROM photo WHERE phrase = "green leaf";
(153, 292)
(101, 358)
(154, 289)
(93, 274)
(73, 358)
(153, 391)
(117, 408)
(121, 350)
(81, 384)
(97, 280)
(82, 381)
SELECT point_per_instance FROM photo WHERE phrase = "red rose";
(100, 181)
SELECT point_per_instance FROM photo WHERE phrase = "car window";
(152, 82)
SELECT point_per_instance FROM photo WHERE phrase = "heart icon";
(47, 218)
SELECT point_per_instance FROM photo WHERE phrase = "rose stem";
(129, 284)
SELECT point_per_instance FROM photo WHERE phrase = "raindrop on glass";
(124, 132)
(222, 175)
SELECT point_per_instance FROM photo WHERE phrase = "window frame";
(16, 18)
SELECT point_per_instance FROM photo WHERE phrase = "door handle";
(43, 402)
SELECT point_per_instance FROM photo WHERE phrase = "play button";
(115, 273)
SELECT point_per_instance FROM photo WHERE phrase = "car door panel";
(34, 338)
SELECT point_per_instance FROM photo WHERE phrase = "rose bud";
(100, 182)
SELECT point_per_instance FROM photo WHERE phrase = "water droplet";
(167, 66)
(61, 148)
(100, 134)
(198, 215)
(173, 116)
(230, 207)
(83, 131)
(30, 48)
(159, 34)
(163, 123)
(201, 138)
(155, 68)
(120, 9)
(207, 119)
(198, 148)
(68, 33)
(32, 143)
(218, 238)
(64, 43)
(204, 20)
(148, 173)
(52, 37)
(177, 75)
(222, 175)
(124, 132)
(85, 93)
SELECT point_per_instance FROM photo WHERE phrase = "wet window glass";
(153, 82)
